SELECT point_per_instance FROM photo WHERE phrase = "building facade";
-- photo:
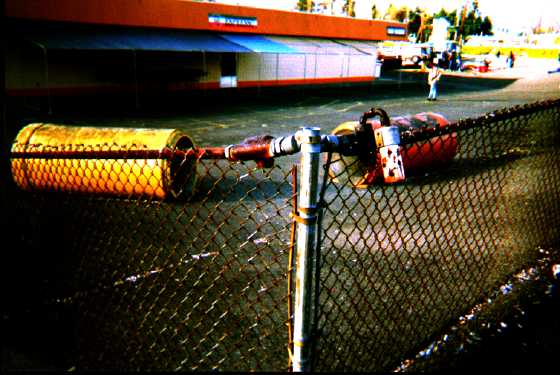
(67, 47)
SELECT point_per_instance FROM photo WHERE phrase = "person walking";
(511, 59)
(434, 74)
(453, 65)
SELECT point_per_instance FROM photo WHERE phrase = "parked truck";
(404, 53)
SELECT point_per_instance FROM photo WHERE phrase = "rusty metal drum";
(108, 161)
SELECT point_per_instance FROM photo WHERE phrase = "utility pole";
(420, 29)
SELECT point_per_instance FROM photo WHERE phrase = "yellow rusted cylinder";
(154, 177)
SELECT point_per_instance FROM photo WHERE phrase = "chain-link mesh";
(192, 283)
(189, 273)
(399, 263)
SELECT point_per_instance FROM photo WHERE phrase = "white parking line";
(350, 107)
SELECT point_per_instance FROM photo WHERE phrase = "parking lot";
(213, 120)
(231, 117)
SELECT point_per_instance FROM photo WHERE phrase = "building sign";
(227, 20)
(396, 31)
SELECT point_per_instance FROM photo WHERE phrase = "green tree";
(396, 14)
(441, 13)
(477, 26)
(451, 17)
(469, 27)
(305, 5)
(414, 20)
(427, 31)
(474, 24)
(348, 8)
(401, 14)
(486, 26)
(389, 13)
(374, 12)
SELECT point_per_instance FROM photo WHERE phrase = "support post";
(310, 140)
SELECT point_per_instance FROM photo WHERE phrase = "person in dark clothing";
(453, 61)
(511, 59)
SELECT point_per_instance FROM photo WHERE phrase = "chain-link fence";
(400, 263)
(169, 260)
(197, 282)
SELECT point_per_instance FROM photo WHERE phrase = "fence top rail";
(422, 134)
(377, 143)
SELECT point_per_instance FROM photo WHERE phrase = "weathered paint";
(195, 16)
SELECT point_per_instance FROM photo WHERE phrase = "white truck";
(406, 53)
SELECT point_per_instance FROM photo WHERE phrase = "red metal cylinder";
(430, 153)
(417, 157)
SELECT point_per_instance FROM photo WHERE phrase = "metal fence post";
(310, 139)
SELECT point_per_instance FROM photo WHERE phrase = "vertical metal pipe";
(342, 64)
(304, 73)
(310, 139)
(259, 77)
(315, 64)
(349, 57)
(277, 67)
(305, 68)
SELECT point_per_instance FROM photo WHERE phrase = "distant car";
(415, 53)
(404, 53)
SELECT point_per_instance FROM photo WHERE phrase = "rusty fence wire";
(201, 279)
(193, 283)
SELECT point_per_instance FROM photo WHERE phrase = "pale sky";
(503, 13)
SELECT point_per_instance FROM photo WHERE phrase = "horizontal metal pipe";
(53, 153)
(254, 151)
(211, 153)
(277, 147)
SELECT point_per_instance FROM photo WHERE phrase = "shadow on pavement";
(392, 84)
(453, 80)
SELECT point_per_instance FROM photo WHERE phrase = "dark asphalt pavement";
(230, 117)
